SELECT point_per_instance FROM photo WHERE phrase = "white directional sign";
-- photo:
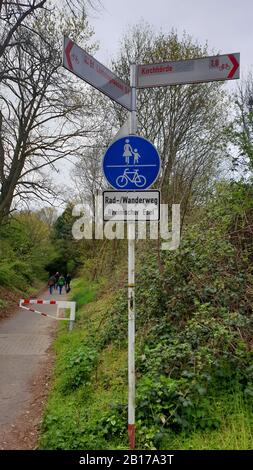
(206, 69)
(96, 74)
(131, 205)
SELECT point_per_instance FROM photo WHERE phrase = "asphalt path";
(25, 340)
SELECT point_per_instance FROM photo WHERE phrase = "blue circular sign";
(131, 162)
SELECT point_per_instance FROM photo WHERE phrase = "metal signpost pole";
(131, 290)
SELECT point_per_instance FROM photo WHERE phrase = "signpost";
(135, 164)
(131, 287)
(131, 162)
(96, 74)
(204, 69)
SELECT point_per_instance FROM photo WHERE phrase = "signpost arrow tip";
(68, 50)
(235, 65)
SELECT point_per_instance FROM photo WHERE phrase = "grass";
(235, 432)
(72, 415)
(3, 303)
(78, 416)
(83, 292)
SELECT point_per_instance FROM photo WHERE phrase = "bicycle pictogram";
(138, 180)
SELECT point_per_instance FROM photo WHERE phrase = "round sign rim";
(125, 137)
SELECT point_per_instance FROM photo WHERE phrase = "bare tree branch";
(44, 114)
(29, 8)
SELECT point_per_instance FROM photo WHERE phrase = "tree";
(186, 122)
(88, 177)
(48, 215)
(87, 174)
(241, 128)
(13, 14)
(44, 113)
(70, 252)
(25, 249)
(17, 13)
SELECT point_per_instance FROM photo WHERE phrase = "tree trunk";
(6, 197)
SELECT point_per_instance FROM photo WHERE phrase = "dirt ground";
(10, 303)
(11, 298)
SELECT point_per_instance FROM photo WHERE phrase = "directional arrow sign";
(206, 69)
(96, 74)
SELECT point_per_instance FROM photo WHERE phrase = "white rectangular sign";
(96, 74)
(206, 69)
(131, 205)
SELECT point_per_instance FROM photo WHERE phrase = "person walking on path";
(57, 275)
(67, 282)
(51, 283)
(61, 283)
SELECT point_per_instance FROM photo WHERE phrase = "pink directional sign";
(96, 74)
(206, 69)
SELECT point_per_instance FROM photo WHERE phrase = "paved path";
(24, 342)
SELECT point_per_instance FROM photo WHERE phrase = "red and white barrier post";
(61, 304)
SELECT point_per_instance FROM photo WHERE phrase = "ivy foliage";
(194, 332)
(194, 322)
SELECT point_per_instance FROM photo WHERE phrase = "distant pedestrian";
(61, 283)
(57, 275)
(51, 284)
(67, 282)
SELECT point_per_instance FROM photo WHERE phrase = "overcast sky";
(227, 25)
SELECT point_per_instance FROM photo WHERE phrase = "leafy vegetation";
(25, 245)
(194, 305)
(194, 351)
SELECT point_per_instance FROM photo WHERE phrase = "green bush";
(194, 332)
(9, 277)
(196, 316)
(78, 366)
